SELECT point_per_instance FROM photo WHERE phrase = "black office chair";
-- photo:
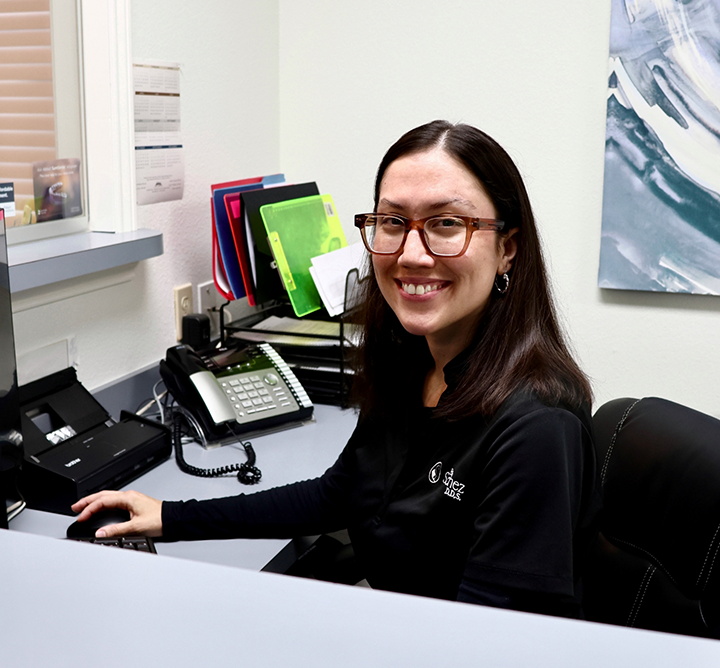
(329, 557)
(656, 563)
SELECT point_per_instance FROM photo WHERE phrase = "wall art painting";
(661, 198)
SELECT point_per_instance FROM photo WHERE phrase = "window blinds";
(27, 118)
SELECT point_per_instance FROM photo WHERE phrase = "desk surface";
(294, 454)
(69, 604)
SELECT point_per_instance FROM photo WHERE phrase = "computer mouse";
(100, 519)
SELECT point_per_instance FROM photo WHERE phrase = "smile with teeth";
(419, 288)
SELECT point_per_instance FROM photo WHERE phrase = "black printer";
(73, 447)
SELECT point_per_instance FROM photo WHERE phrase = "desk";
(283, 457)
(67, 604)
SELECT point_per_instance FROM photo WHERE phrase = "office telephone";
(235, 390)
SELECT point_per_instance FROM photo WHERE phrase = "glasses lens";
(446, 235)
(384, 234)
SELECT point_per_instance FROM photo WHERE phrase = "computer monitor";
(10, 435)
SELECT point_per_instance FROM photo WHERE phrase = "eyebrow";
(435, 206)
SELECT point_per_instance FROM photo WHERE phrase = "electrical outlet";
(183, 306)
(209, 302)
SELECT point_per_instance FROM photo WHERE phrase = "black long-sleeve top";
(493, 511)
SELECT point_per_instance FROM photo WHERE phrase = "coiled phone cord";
(247, 473)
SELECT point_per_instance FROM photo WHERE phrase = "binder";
(225, 240)
(297, 231)
(266, 283)
(219, 276)
(224, 235)
(233, 207)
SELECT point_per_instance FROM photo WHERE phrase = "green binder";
(299, 230)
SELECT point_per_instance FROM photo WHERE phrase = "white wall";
(319, 89)
(228, 51)
(356, 74)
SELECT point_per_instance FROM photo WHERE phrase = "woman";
(471, 472)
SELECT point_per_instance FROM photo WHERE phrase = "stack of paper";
(305, 332)
(330, 271)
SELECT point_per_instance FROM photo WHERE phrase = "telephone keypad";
(270, 391)
(249, 397)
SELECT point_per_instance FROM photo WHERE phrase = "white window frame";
(107, 101)
(109, 124)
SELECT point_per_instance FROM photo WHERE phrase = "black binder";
(268, 285)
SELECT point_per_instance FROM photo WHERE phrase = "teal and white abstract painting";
(661, 197)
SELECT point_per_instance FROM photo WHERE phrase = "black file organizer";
(324, 371)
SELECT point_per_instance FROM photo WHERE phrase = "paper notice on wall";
(159, 160)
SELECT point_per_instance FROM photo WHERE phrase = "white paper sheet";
(329, 271)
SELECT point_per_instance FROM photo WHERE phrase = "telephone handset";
(234, 390)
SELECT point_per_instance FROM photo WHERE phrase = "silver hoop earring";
(502, 290)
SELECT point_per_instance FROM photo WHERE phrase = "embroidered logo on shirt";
(453, 488)
(435, 471)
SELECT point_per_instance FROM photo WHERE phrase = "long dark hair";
(517, 344)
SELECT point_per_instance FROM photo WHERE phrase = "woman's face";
(456, 290)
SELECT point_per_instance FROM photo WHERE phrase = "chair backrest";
(656, 564)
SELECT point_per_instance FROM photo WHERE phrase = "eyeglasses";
(442, 236)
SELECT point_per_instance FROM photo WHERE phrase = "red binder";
(233, 206)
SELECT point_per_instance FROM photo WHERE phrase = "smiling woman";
(494, 296)
(440, 298)
(471, 473)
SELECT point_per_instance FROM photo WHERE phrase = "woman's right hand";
(145, 513)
